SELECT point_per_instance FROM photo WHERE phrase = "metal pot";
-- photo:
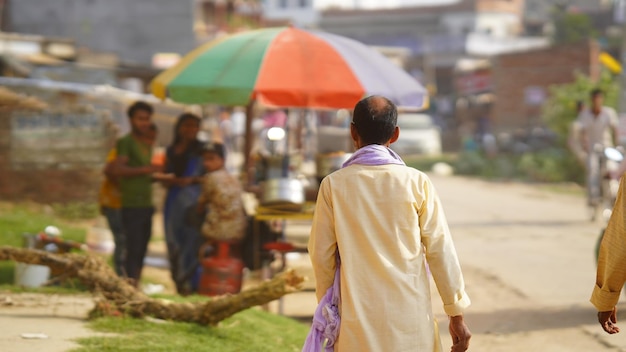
(283, 194)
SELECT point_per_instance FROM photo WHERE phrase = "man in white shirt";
(598, 129)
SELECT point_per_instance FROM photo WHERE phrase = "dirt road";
(527, 255)
(528, 259)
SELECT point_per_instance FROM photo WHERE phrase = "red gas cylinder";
(221, 274)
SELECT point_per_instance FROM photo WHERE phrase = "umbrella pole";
(285, 163)
(248, 141)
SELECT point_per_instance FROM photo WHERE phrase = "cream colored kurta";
(385, 220)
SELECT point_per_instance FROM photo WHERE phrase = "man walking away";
(385, 222)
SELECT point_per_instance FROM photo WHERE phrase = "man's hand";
(460, 334)
(154, 168)
(608, 320)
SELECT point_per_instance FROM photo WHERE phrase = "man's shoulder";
(348, 172)
(125, 139)
(609, 111)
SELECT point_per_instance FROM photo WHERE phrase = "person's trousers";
(114, 219)
(594, 187)
(137, 227)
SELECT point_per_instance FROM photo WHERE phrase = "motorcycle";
(603, 187)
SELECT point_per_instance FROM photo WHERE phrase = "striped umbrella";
(287, 67)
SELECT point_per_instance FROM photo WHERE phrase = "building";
(132, 30)
(505, 93)
(537, 13)
(58, 59)
(299, 13)
(436, 35)
(213, 18)
(522, 80)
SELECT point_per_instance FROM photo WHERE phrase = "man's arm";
(205, 196)
(584, 139)
(574, 142)
(323, 242)
(169, 179)
(121, 168)
(440, 252)
(444, 264)
(611, 272)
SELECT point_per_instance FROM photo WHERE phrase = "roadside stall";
(285, 68)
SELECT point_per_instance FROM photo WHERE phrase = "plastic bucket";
(100, 240)
(30, 275)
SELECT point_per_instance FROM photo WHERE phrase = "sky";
(369, 4)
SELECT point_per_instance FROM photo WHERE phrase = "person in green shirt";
(134, 171)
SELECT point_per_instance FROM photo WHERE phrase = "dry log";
(100, 279)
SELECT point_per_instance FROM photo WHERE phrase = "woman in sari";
(183, 168)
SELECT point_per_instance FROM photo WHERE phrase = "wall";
(499, 25)
(49, 157)
(134, 30)
(423, 29)
(57, 155)
(503, 6)
(516, 76)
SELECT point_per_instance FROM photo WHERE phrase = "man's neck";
(138, 137)
(596, 110)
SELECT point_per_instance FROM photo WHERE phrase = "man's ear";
(395, 135)
(353, 133)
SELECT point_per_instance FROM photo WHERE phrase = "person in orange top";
(110, 206)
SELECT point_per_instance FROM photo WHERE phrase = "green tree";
(559, 112)
(571, 27)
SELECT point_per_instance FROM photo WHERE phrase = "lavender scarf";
(374, 154)
(326, 320)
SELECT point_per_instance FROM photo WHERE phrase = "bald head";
(375, 119)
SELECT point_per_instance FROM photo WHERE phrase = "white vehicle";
(418, 135)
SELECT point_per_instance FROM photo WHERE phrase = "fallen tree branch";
(99, 278)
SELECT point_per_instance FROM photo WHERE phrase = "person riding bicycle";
(598, 130)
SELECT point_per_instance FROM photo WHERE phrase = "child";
(220, 199)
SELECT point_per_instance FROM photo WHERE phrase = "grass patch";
(564, 188)
(19, 219)
(425, 163)
(252, 330)
(16, 220)
(76, 210)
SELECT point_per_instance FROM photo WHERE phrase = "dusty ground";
(528, 259)
(527, 255)
(61, 318)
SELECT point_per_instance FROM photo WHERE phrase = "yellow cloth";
(611, 274)
(109, 192)
(387, 221)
